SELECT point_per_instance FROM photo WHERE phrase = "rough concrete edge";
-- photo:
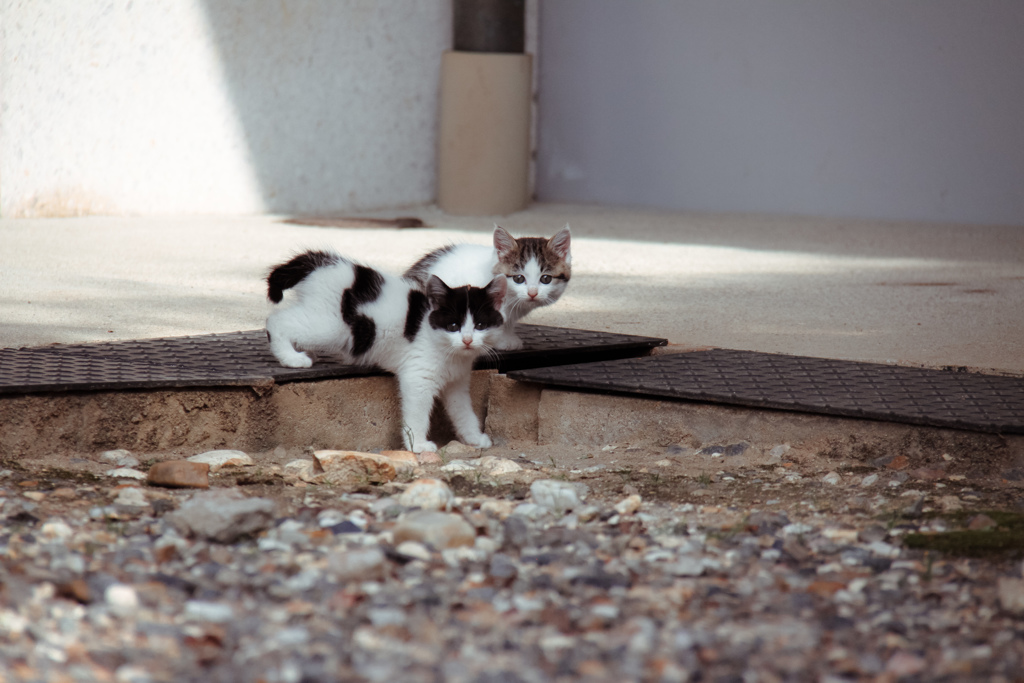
(820, 441)
(299, 414)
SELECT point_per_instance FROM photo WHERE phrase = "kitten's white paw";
(296, 360)
(421, 446)
(508, 342)
(481, 441)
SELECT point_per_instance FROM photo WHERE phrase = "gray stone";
(131, 496)
(459, 466)
(362, 563)
(438, 529)
(531, 511)
(119, 457)
(560, 496)
(222, 515)
(385, 508)
(1011, 595)
(686, 565)
(502, 567)
(517, 532)
(872, 533)
(216, 612)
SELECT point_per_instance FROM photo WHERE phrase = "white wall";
(892, 109)
(223, 106)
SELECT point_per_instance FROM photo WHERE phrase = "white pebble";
(126, 473)
(884, 549)
(531, 511)
(629, 504)
(224, 458)
(832, 478)
(132, 496)
(459, 466)
(330, 517)
(56, 528)
(115, 456)
(414, 549)
(686, 566)
(12, 623)
(201, 610)
(495, 467)
(121, 599)
(428, 494)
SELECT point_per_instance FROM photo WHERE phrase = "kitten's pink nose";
(468, 341)
(532, 291)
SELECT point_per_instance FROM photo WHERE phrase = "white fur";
(474, 264)
(435, 363)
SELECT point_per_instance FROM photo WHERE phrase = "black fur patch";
(420, 271)
(414, 316)
(287, 275)
(482, 306)
(365, 288)
(454, 305)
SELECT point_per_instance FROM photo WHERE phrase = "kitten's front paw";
(508, 342)
(421, 446)
(296, 360)
(482, 441)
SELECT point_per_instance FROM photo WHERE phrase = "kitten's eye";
(480, 326)
(519, 279)
(452, 327)
(545, 279)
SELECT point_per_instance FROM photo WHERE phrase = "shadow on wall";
(337, 98)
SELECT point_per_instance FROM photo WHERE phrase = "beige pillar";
(484, 141)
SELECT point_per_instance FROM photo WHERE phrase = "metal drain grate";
(937, 398)
(244, 359)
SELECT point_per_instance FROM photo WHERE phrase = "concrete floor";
(918, 294)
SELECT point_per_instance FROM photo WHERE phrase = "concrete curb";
(322, 414)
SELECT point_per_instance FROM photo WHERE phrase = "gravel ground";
(507, 569)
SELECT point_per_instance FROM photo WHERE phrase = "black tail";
(287, 275)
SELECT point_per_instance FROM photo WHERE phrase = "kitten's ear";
(436, 288)
(504, 243)
(560, 243)
(496, 289)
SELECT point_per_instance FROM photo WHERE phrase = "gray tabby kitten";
(537, 270)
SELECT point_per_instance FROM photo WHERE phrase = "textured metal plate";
(244, 359)
(544, 346)
(937, 398)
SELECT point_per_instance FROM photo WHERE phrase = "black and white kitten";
(537, 270)
(428, 335)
